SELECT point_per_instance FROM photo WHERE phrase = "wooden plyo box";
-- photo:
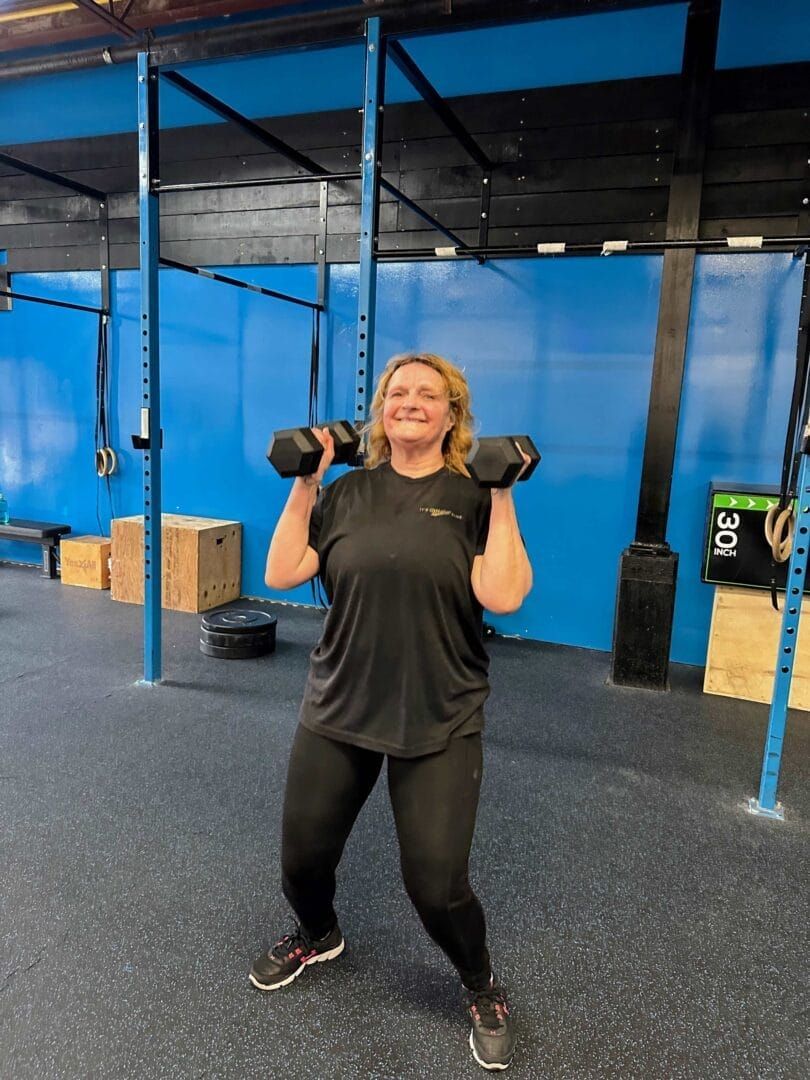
(202, 561)
(743, 640)
(85, 560)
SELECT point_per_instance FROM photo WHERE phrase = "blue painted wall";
(101, 100)
(619, 45)
(738, 383)
(562, 349)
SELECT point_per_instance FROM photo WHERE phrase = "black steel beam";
(54, 178)
(181, 83)
(420, 83)
(104, 254)
(116, 24)
(239, 284)
(5, 299)
(457, 241)
(645, 605)
(683, 221)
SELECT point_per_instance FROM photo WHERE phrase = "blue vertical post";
(766, 804)
(149, 353)
(369, 214)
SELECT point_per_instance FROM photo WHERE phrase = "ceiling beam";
(116, 24)
(313, 29)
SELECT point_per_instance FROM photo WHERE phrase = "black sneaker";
(492, 1039)
(290, 956)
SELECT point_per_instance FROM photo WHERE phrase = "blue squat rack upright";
(765, 804)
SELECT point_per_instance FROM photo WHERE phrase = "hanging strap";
(779, 521)
(314, 379)
(106, 459)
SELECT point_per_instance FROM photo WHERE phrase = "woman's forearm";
(291, 535)
(506, 573)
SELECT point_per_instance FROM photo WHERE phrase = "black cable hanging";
(314, 379)
(106, 459)
(314, 367)
(779, 519)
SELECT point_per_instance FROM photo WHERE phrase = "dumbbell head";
(297, 452)
(347, 440)
(495, 462)
(294, 452)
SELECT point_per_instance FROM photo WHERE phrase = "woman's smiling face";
(416, 413)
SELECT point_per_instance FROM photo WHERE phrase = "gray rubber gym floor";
(645, 925)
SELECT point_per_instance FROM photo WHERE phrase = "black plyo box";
(735, 550)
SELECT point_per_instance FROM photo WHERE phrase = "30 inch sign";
(736, 552)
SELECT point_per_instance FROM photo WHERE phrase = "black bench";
(37, 532)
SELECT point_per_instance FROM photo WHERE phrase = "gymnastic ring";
(777, 523)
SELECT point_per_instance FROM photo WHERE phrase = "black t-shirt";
(401, 666)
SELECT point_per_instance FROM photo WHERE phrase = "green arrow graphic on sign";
(740, 501)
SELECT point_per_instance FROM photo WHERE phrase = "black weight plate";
(238, 621)
(260, 649)
(237, 641)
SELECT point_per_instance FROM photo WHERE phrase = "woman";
(410, 551)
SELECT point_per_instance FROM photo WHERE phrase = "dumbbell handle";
(526, 445)
(497, 461)
(299, 451)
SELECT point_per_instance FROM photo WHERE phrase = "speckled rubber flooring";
(645, 925)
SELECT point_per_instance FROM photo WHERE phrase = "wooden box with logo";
(85, 561)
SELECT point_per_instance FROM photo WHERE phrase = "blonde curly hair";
(457, 441)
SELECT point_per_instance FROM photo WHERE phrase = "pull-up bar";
(602, 247)
(53, 303)
(267, 181)
(240, 284)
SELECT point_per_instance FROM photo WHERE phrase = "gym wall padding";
(562, 349)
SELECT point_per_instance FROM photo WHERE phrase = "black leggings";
(434, 799)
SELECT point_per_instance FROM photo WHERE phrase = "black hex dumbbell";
(495, 462)
(296, 451)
